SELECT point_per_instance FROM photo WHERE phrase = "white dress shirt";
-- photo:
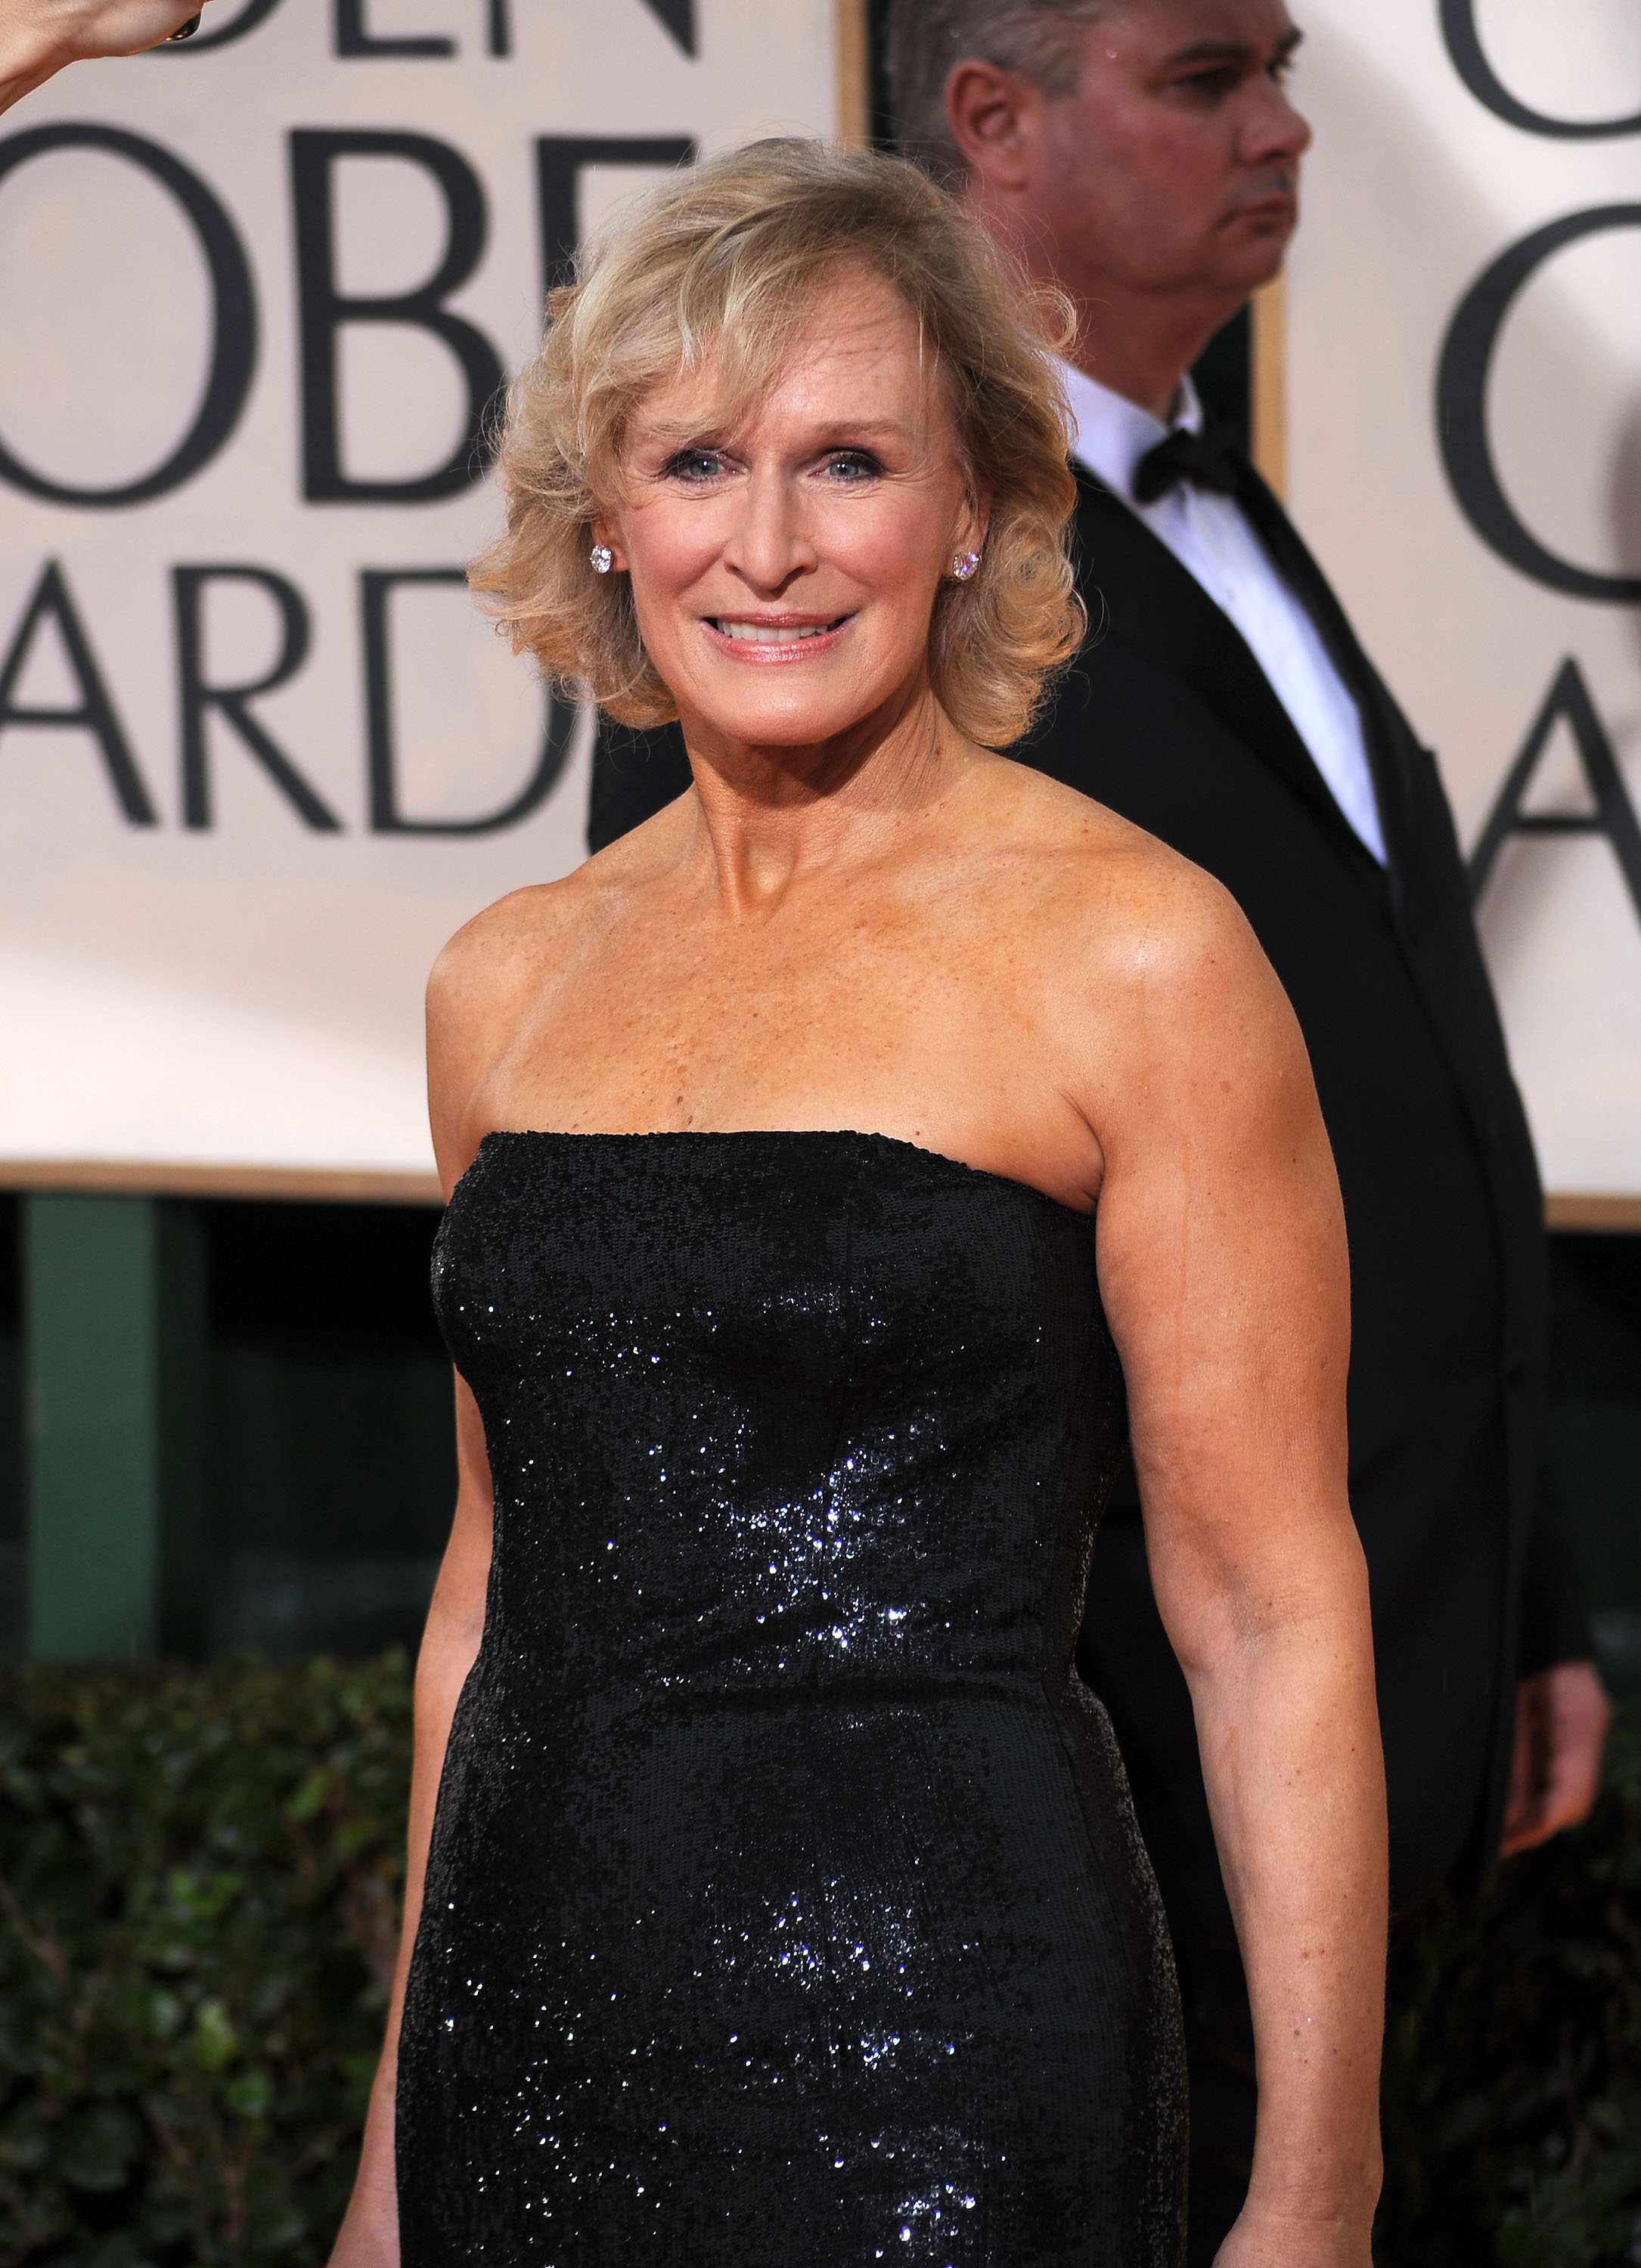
(1209, 537)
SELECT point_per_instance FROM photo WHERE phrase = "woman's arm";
(473, 1002)
(1223, 1267)
(38, 38)
(369, 2237)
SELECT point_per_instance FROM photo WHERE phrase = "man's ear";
(995, 120)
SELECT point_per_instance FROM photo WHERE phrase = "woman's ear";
(605, 533)
(975, 519)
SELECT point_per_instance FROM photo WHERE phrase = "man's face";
(1175, 164)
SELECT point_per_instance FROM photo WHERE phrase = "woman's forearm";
(369, 2236)
(1287, 1727)
(29, 54)
(39, 38)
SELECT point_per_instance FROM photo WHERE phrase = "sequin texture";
(785, 1904)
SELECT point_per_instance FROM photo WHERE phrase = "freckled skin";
(857, 919)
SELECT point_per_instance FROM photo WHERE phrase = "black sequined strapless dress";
(784, 1907)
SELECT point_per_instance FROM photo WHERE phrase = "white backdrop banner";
(258, 755)
(1464, 386)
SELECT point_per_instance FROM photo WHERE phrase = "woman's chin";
(793, 721)
(793, 709)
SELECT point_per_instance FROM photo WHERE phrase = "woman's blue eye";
(697, 465)
(856, 468)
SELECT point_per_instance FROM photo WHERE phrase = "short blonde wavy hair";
(725, 262)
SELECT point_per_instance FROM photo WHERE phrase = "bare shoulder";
(499, 956)
(499, 969)
(504, 954)
(1109, 891)
(479, 991)
(1154, 973)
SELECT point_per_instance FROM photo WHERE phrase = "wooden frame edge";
(1594, 1214)
(275, 1184)
(1269, 317)
(854, 91)
(1583, 1211)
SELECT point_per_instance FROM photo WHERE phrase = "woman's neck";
(769, 815)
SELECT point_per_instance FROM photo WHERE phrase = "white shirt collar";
(1110, 434)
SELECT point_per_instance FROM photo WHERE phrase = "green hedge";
(198, 1874)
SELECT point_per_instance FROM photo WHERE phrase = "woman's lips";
(766, 642)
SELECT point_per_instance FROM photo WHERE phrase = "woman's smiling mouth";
(774, 637)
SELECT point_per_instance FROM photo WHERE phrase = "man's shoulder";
(1100, 521)
(635, 774)
(1122, 708)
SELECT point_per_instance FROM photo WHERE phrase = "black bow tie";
(1206, 459)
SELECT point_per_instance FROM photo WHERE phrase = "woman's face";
(784, 566)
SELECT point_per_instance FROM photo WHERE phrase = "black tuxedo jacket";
(1167, 718)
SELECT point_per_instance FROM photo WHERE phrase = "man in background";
(1142, 156)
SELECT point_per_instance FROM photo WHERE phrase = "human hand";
(1562, 1716)
(39, 37)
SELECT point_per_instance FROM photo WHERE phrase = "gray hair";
(1040, 40)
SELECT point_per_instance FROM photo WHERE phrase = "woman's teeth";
(771, 633)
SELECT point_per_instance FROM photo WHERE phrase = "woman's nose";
(771, 543)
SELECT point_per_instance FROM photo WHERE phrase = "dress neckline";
(784, 1134)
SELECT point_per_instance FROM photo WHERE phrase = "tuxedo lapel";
(1133, 584)
(1383, 727)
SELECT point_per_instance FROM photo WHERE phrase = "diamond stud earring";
(965, 564)
(603, 558)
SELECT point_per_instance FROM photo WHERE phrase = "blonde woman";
(825, 1160)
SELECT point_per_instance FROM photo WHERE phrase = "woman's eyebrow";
(857, 429)
(705, 435)
(701, 431)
